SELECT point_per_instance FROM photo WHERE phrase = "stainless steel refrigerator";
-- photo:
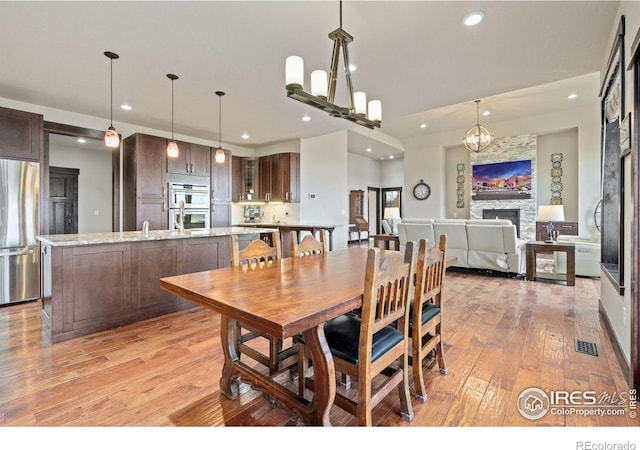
(19, 250)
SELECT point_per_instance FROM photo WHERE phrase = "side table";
(535, 247)
(386, 238)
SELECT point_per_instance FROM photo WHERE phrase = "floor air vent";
(586, 347)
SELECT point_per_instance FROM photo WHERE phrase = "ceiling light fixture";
(245, 136)
(477, 138)
(220, 156)
(473, 18)
(572, 96)
(172, 146)
(323, 90)
(111, 138)
(126, 107)
(423, 125)
(306, 118)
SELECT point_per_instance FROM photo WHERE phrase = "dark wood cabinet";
(221, 178)
(566, 228)
(150, 261)
(220, 214)
(21, 134)
(244, 176)
(193, 159)
(144, 182)
(279, 177)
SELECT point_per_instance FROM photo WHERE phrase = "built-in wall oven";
(194, 196)
(196, 201)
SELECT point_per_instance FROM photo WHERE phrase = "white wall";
(323, 172)
(94, 185)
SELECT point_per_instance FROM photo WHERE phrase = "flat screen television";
(501, 180)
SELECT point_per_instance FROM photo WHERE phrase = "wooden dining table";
(285, 298)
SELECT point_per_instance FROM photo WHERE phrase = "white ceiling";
(415, 56)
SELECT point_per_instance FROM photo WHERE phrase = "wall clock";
(421, 191)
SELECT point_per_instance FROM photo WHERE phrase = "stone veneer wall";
(512, 148)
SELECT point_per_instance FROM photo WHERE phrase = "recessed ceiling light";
(423, 125)
(353, 67)
(126, 107)
(473, 18)
(572, 96)
(245, 136)
(486, 113)
(369, 149)
(82, 140)
(306, 118)
(390, 156)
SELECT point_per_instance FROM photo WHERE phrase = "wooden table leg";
(571, 267)
(230, 380)
(330, 239)
(530, 255)
(324, 375)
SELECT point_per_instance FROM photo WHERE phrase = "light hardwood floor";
(501, 336)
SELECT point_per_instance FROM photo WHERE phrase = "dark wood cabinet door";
(294, 178)
(87, 309)
(180, 164)
(154, 210)
(151, 261)
(200, 160)
(264, 178)
(220, 214)
(151, 160)
(63, 200)
(237, 178)
(21, 134)
(277, 181)
(221, 178)
(204, 253)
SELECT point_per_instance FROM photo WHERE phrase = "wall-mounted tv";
(501, 180)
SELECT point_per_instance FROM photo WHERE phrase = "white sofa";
(587, 255)
(476, 243)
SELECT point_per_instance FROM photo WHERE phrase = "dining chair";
(376, 342)
(309, 245)
(426, 311)
(254, 256)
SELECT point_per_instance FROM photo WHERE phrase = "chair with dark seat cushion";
(376, 342)
(254, 256)
(426, 311)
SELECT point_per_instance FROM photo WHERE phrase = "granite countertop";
(60, 240)
(285, 225)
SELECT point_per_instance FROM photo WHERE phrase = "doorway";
(63, 200)
(98, 205)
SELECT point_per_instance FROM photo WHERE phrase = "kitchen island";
(285, 228)
(99, 281)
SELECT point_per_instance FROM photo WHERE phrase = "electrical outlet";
(312, 195)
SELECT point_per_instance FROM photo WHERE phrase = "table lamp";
(551, 213)
(392, 214)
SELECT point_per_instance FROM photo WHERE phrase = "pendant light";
(477, 137)
(220, 156)
(111, 138)
(172, 147)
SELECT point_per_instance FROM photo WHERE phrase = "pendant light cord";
(172, 109)
(219, 121)
(111, 91)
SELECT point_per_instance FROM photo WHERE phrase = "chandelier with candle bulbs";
(323, 89)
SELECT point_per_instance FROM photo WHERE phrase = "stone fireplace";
(512, 214)
(511, 148)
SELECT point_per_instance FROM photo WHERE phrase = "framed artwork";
(460, 204)
(556, 172)
(556, 157)
(556, 164)
(556, 200)
(556, 187)
(460, 167)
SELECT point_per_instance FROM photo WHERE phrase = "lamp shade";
(375, 110)
(360, 102)
(319, 83)
(392, 213)
(553, 213)
(294, 71)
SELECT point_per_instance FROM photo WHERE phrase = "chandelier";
(323, 89)
(477, 137)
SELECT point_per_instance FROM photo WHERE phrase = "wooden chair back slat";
(309, 245)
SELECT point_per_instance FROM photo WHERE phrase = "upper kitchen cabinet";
(279, 177)
(144, 182)
(221, 178)
(244, 178)
(21, 134)
(193, 159)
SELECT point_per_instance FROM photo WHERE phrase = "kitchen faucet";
(179, 224)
